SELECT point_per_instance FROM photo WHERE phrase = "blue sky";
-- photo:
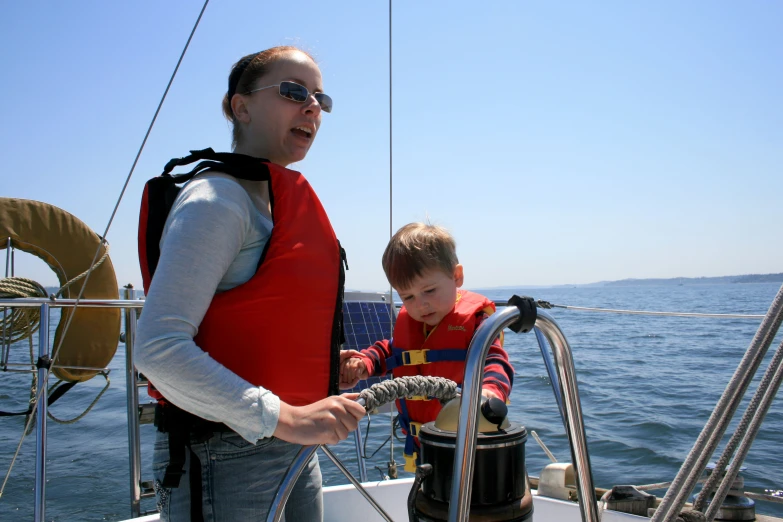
(560, 142)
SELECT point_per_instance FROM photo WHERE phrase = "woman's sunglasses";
(299, 94)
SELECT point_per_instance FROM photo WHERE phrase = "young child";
(433, 329)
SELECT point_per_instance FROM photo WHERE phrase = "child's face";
(431, 295)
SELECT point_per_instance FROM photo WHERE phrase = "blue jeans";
(238, 480)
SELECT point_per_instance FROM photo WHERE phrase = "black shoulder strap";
(163, 190)
(238, 165)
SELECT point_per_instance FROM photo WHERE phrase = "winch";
(500, 491)
(736, 506)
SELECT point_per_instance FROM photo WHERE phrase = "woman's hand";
(327, 421)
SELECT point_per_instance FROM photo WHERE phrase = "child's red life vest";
(282, 329)
(446, 345)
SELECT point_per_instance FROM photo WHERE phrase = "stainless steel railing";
(40, 431)
(469, 409)
(459, 501)
(468, 421)
(131, 391)
(130, 308)
(45, 305)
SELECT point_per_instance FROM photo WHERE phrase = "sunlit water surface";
(647, 384)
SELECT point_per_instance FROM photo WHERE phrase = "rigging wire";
(546, 304)
(43, 386)
(367, 436)
(392, 463)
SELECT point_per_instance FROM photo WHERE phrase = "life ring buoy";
(68, 246)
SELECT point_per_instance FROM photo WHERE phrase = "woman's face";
(277, 128)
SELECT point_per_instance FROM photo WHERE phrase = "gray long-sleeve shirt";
(212, 242)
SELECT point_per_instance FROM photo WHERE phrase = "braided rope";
(745, 434)
(727, 405)
(388, 391)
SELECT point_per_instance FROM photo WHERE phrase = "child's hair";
(415, 248)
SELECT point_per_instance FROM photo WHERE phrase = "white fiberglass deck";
(345, 504)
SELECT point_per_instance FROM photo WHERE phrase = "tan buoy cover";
(68, 246)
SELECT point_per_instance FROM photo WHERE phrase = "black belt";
(170, 418)
(183, 428)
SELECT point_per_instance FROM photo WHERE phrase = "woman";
(216, 335)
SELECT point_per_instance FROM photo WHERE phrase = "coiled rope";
(416, 385)
(22, 323)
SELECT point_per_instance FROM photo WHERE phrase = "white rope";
(761, 496)
(661, 485)
(543, 446)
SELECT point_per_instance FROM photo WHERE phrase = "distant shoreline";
(674, 281)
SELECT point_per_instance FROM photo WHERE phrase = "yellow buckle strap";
(414, 357)
(414, 428)
(410, 462)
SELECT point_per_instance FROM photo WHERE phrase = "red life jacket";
(446, 346)
(286, 321)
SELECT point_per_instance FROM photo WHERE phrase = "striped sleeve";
(498, 372)
(375, 357)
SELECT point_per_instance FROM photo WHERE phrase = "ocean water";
(647, 385)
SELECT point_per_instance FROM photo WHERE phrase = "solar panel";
(367, 318)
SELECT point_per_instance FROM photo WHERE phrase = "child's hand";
(352, 369)
(488, 394)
